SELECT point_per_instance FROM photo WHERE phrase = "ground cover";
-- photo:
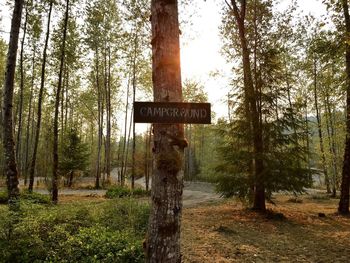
(299, 230)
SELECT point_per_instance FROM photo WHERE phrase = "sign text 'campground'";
(172, 112)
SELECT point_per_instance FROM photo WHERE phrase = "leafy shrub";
(25, 195)
(3, 197)
(122, 191)
(98, 244)
(110, 231)
(35, 197)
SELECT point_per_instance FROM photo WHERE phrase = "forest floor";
(305, 229)
(302, 229)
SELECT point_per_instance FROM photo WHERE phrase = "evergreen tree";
(75, 156)
(262, 150)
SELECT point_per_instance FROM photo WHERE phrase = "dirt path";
(194, 192)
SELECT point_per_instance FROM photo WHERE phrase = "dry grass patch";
(227, 232)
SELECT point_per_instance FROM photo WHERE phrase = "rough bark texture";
(163, 240)
(250, 96)
(344, 190)
(57, 103)
(9, 146)
(41, 91)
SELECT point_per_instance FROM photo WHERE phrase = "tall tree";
(163, 239)
(8, 140)
(239, 13)
(55, 177)
(21, 89)
(40, 99)
(345, 184)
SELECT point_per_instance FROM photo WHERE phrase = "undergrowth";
(111, 231)
(122, 191)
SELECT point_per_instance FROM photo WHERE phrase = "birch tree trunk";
(8, 140)
(163, 240)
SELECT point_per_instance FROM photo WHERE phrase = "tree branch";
(235, 9)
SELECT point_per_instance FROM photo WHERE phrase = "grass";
(228, 232)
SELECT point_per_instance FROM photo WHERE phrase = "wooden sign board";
(172, 112)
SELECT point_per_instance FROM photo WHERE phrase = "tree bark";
(163, 240)
(57, 103)
(8, 140)
(41, 91)
(345, 184)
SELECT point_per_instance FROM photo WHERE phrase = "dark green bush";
(122, 191)
(26, 196)
(3, 197)
(35, 197)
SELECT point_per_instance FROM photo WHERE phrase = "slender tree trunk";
(133, 99)
(251, 98)
(40, 99)
(29, 118)
(163, 240)
(333, 149)
(98, 161)
(319, 125)
(123, 168)
(148, 163)
(8, 140)
(57, 103)
(127, 148)
(21, 91)
(109, 114)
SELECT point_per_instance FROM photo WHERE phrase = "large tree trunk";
(251, 99)
(163, 241)
(41, 91)
(57, 103)
(345, 184)
(8, 140)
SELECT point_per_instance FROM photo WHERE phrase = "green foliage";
(85, 232)
(3, 197)
(284, 161)
(122, 191)
(34, 198)
(75, 154)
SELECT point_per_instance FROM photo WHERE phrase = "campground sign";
(172, 112)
